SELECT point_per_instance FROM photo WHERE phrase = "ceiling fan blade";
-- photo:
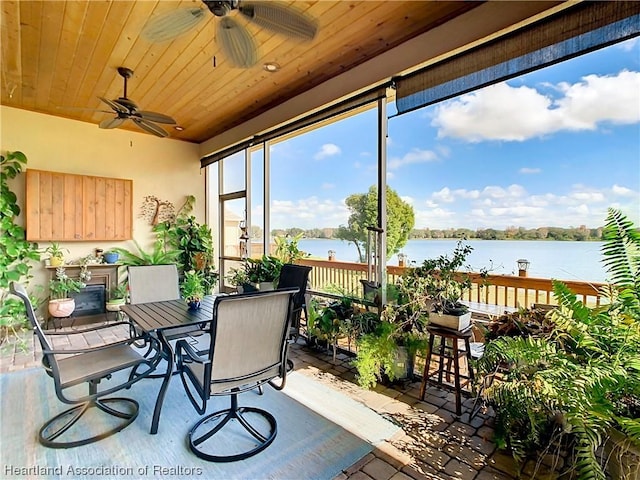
(150, 127)
(280, 19)
(236, 43)
(116, 106)
(172, 24)
(112, 122)
(156, 117)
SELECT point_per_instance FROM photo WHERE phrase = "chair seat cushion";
(96, 364)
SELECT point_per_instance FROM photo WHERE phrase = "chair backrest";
(248, 338)
(153, 283)
(18, 290)
(295, 276)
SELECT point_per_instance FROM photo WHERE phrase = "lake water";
(581, 261)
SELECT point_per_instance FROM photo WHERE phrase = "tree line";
(581, 233)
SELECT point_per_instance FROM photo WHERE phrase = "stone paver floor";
(433, 442)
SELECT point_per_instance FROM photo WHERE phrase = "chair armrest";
(128, 341)
(90, 329)
(183, 346)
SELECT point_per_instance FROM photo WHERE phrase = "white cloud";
(443, 195)
(529, 170)
(510, 113)
(588, 196)
(328, 186)
(414, 156)
(501, 206)
(621, 191)
(327, 150)
(309, 212)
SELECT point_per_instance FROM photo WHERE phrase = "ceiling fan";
(235, 41)
(126, 109)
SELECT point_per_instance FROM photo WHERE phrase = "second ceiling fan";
(126, 109)
(235, 41)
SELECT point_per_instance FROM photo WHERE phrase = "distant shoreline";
(480, 239)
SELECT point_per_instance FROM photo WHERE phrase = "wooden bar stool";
(452, 354)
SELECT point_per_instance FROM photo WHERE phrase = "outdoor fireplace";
(90, 300)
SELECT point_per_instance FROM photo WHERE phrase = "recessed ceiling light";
(178, 128)
(271, 67)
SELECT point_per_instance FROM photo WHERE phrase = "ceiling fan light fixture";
(271, 67)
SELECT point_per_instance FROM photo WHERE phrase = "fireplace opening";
(90, 300)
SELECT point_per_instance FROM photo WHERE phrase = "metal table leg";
(166, 348)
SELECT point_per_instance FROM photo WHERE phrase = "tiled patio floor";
(433, 443)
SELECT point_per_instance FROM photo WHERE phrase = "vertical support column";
(267, 197)
(381, 250)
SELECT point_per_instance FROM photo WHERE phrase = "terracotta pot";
(62, 307)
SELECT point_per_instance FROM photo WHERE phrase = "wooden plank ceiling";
(59, 56)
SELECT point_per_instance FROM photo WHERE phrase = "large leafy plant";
(574, 385)
(16, 253)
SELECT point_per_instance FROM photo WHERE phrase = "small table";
(448, 353)
(161, 318)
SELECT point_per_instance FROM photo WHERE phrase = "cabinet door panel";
(68, 207)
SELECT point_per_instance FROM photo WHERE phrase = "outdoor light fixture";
(332, 255)
(523, 266)
(402, 259)
(244, 238)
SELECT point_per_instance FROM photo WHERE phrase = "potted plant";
(111, 256)
(237, 277)
(192, 288)
(56, 254)
(578, 385)
(117, 297)
(441, 279)
(60, 304)
(263, 272)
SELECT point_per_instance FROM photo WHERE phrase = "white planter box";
(450, 321)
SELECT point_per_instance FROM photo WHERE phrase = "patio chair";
(158, 283)
(248, 349)
(296, 276)
(70, 367)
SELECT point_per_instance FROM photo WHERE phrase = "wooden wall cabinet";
(68, 207)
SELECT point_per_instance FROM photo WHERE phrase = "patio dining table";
(161, 318)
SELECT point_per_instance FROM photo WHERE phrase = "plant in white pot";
(444, 284)
(60, 304)
(117, 297)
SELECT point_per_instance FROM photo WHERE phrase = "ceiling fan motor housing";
(221, 8)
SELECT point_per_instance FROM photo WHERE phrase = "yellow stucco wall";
(166, 168)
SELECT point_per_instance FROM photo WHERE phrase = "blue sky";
(556, 147)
